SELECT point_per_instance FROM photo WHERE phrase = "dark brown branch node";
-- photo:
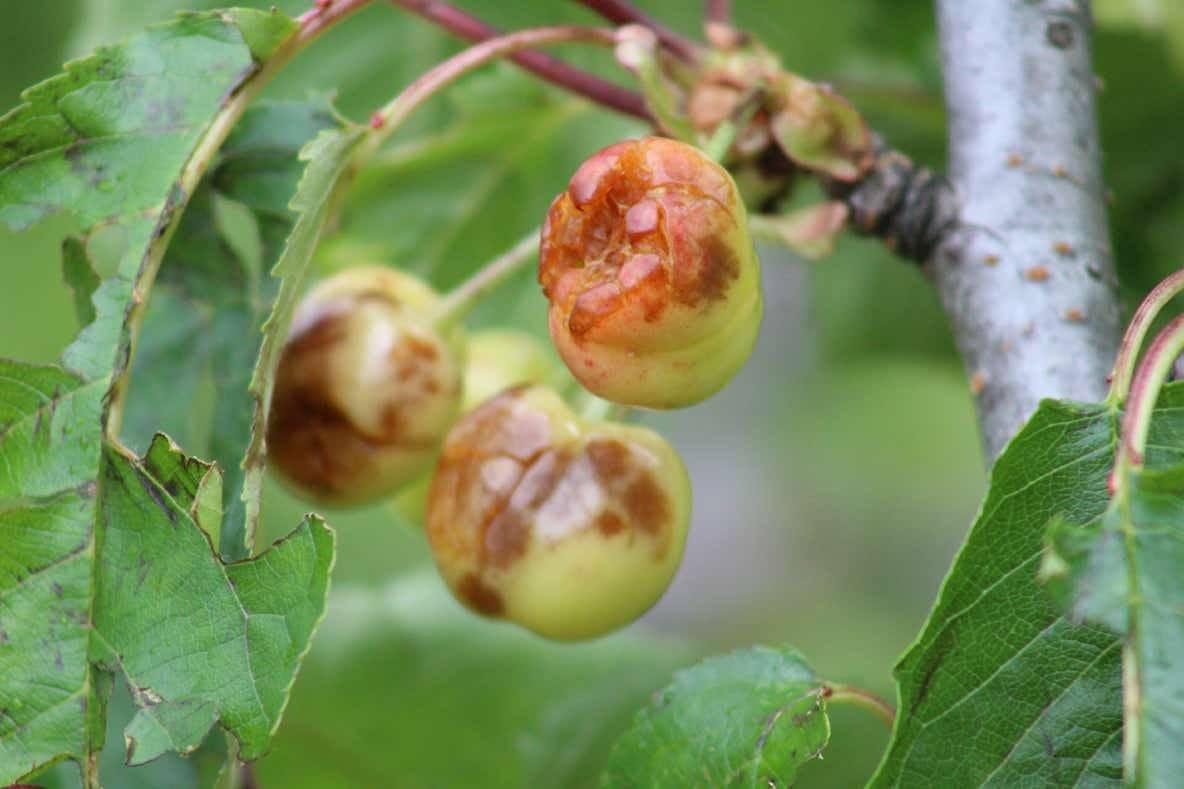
(910, 207)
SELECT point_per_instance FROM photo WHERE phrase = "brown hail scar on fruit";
(642, 222)
(320, 444)
(505, 479)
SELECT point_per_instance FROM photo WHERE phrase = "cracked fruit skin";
(570, 529)
(651, 275)
(366, 389)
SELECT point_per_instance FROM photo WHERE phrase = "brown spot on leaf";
(1062, 248)
(1074, 315)
(978, 382)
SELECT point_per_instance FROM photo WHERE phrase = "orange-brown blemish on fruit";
(609, 523)
(479, 596)
(501, 470)
(593, 306)
(610, 459)
(643, 222)
(309, 433)
(647, 504)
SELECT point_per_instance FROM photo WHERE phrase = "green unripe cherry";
(365, 390)
(651, 275)
(497, 360)
(571, 529)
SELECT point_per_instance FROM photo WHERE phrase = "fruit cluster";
(566, 524)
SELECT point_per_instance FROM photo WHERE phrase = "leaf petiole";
(1136, 332)
(836, 693)
(1144, 391)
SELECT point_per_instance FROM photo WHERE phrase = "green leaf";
(109, 569)
(404, 687)
(751, 718)
(262, 32)
(203, 322)
(107, 140)
(328, 156)
(819, 129)
(80, 275)
(198, 770)
(233, 658)
(1123, 571)
(1001, 688)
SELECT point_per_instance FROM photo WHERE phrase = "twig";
(1136, 332)
(1027, 277)
(553, 70)
(621, 12)
(718, 12)
(459, 302)
(384, 122)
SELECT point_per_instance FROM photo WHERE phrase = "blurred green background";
(833, 478)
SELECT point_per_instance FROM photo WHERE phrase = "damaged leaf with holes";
(108, 573)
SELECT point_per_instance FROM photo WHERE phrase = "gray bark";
(1026, 276)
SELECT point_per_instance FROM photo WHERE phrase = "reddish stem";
(326, 14)
(1136, 332)
(718, 12)
(1149, 379)
(549, 68)
(621, 12)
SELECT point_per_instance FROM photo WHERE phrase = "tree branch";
(621, 12)
(545, 66)
(1027, 275)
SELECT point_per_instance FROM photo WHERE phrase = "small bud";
(365, 390)
(566, 528)
(653, 283)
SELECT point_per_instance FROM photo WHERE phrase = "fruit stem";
(1153, 371)
(836, 693)
(1136, 332)
(620, 12)
(384, 122)
(718, 12)
(461, 300)
(549, 68)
